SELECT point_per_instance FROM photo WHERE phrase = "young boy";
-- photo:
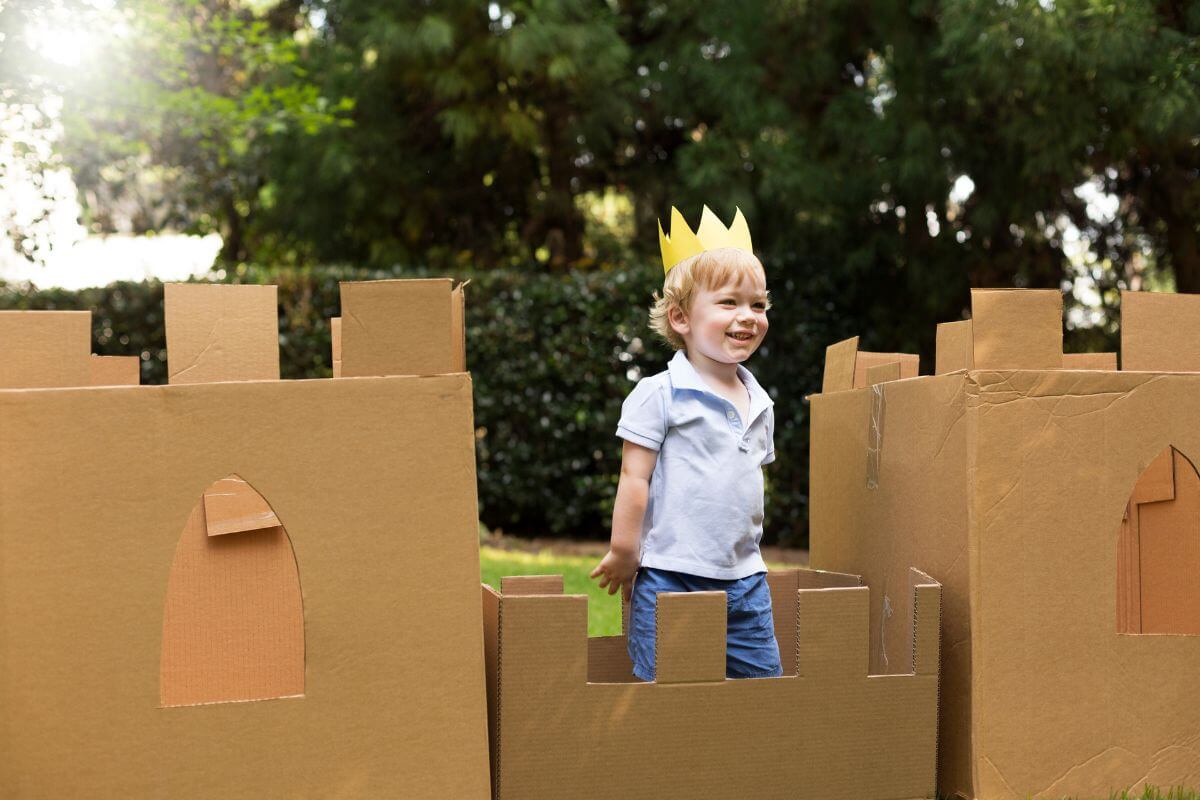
(689, 508)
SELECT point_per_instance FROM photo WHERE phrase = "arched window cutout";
(233, 623)
(1158, 550)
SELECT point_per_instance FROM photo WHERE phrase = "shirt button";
(731, 414)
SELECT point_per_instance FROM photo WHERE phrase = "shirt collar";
(685, 376)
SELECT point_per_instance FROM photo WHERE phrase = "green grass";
(1152, 793)
(604, 612)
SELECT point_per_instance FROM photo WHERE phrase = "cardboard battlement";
(1056, 506)
(551, 689)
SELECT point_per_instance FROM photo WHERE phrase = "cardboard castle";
(169, 554)
(1055, 499)
(243, 587)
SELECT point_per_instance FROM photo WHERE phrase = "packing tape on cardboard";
(875, 435)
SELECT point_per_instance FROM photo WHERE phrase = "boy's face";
(725, 324)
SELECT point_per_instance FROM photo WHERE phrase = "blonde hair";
(708, 270)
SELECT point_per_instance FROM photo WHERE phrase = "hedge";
(552, 356)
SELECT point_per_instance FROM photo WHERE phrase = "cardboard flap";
(45, 349)
(1016, 328)
(233, 506)
(1160, 332)
(221, 332)
(907, 365)
(335, 340)
(927, 623)
(954, 347)
(839, 366)
(531, 584)
(399, 327)
(1157, 481)
(1092, 361)
(832, 633)
(690, 644)
(114, 371)
(883, 373)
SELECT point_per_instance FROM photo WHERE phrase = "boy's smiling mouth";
(741, 336)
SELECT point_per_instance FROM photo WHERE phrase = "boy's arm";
(618, 567)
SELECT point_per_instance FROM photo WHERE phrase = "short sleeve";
(770, 456)
(644, 415)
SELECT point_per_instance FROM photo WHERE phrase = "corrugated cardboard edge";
(839, 366)
(335, 342)
(458, 325)
(492, 606)
(954, 347)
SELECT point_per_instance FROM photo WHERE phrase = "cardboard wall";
(1013, 486)
(829, 730)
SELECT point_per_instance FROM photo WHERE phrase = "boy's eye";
(727, 301)
(761, 306)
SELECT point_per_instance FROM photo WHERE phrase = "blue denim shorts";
(750, 651)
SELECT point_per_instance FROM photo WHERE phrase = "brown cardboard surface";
(1158, 332)
(909, 365)
(114, 371)
(233, 626)
(400, 327)
(882, 373)
(1010, 487)
(377, 497)
(221, 332)
(233, 506)
(833, 731)
(1102, 361)
(40, 349)
(955, 350)
(1016, 328)
(690, 639)
(839, 366)
(335, 338)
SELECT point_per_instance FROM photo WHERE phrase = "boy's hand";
(616, 571)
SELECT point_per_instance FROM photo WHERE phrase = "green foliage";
(552, 358)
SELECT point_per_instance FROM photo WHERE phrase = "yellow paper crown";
(711, 235)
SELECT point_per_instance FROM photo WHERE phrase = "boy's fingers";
(595, 572)
(613, 586)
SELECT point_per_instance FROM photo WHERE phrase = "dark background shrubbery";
(552, 357)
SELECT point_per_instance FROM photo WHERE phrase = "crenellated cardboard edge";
(540, 634)
(220, 333)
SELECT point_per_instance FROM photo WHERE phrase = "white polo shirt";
(705, 510)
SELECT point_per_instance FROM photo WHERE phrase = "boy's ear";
(678, 320)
